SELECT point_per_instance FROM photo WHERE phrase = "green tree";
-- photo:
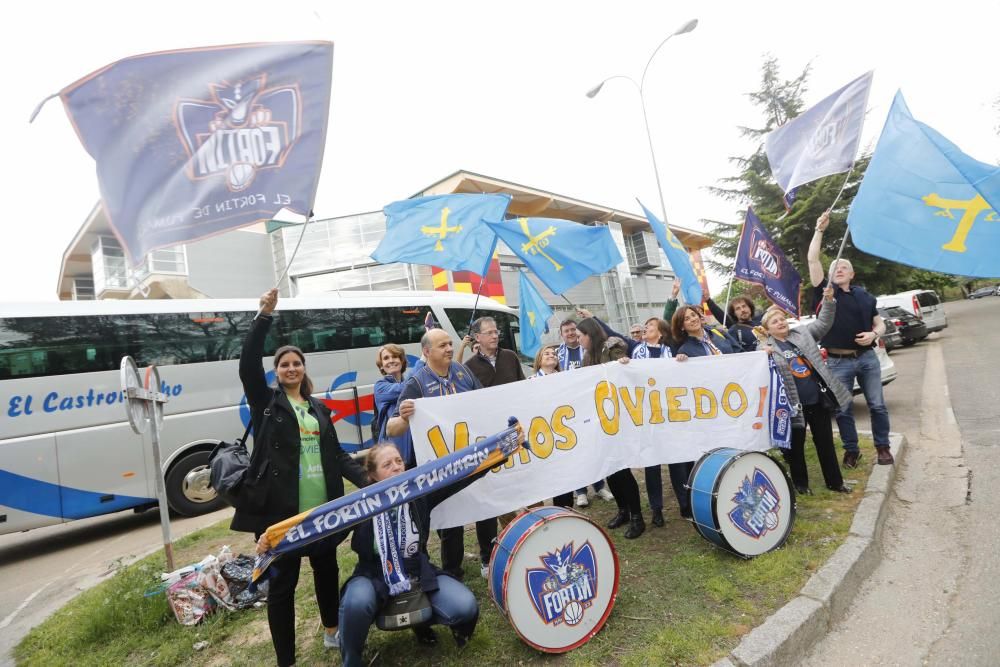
(780, 100)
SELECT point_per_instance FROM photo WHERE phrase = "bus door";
(29, 484)
(103, 469)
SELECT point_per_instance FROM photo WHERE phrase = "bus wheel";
(188, 491)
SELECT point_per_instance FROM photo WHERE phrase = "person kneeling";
(392, 560)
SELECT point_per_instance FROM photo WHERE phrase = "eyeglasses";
(635, 331)
(489, 333)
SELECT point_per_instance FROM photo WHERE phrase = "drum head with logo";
(754, 506)
(560, 580)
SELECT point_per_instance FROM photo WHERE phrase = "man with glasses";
(635, 332)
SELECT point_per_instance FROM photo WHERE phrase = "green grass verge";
(681, 602)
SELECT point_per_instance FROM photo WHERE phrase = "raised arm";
(670, 307)
(812, 257)
(251, 357)
(824, 320)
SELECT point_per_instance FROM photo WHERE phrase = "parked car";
(886, 365)
(892, 337)
(911, 329)
(985, 291)
(923, 303)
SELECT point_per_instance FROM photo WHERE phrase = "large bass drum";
(741, 501)
(554, 576)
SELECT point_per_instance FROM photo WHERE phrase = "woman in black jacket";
(292, 433)
(403, 533)
(600, 349)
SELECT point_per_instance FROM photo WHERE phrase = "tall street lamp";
(640, 86)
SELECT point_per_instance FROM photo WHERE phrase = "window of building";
(108, 264)
(83, 289)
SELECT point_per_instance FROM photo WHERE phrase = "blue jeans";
(866, 369)
(654, 487)
(598, 485)
(453, 605)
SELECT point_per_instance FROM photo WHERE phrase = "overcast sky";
(421, 90)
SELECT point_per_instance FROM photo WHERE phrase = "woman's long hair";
(677, 323)
(306, 387)
(592, 354)
(538, 357)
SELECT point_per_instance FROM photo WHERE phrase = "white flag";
(821, 141)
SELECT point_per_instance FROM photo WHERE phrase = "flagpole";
(847, 230)
(739, 244)
(288, 264)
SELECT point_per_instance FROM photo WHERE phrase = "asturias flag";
(561, 253)
(449, 231)
(925, 203)
(195, 142)
(534, 314)
(821, 141)
(760, 260)
(678, 257)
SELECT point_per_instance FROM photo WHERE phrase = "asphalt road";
(933, 598)
(40, 570)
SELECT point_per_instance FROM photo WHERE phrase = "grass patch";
(681, 601)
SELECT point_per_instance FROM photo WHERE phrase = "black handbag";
(405, 610)
(229, 464)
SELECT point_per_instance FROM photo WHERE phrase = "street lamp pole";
(641, 87)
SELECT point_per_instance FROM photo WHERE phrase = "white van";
(923, 303)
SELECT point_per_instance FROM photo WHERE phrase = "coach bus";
(66, 449)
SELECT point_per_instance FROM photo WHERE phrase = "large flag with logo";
(678, 257)
(534, 315)
(759, 260)
(194, 142)
(561, 253)
(821, 141)
(925, 203)
(449, 231)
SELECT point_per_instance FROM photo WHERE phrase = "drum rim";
(715, 499)
(571, 513)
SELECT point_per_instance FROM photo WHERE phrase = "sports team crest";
(762, 254)
(757, 505)
(564, 589)
(243, 128)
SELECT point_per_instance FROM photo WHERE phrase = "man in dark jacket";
(742, 318)
(492, 366)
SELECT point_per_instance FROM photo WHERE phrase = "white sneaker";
(581, 500)
(484, 569)
(331, 641)
(604, 494)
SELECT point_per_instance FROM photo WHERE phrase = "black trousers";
(563, 500)
(818, 418)
(626, 491)
(679, 474)
(453, 546)
(281, 595)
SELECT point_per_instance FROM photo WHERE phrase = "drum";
(741, 501)
(554, 576)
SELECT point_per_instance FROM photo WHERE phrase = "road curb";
(792, 630)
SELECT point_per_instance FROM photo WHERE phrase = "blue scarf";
(391, 541)
(641, 351)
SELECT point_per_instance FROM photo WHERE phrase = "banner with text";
(586, 424)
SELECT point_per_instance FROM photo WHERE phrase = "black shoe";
(636, 527)
(460, 639)
(686, 513)
(658, 519)
(843, 488)
(851, 459)
(425, 635)
(619, 519)
(803, 490)
(884, 456)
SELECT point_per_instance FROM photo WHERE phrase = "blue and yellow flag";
(442, 230)
(678, 257)
(925, 203)
(535, 314)
(561, 253)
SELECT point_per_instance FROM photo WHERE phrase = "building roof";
(533, 202)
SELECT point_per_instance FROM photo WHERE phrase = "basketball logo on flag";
(244, 127)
